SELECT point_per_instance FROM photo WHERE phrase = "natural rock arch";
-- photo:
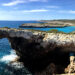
(41, 55)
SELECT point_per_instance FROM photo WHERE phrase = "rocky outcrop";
(43, 25)
(42, 53)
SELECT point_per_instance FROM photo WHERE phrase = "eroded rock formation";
(42, 53)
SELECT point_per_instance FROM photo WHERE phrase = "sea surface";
(7, 54)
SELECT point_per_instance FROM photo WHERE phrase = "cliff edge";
(42, 53)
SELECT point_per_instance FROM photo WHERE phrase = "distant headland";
(49, 24)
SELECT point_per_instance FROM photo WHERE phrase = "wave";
(9, 58)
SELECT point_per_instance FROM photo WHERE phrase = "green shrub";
(6, 27)
(54, 31)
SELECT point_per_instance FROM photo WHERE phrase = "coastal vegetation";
(60, 22)
(6, 27)
(70, 21)
(54, 31)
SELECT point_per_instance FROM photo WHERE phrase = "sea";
(7, 54)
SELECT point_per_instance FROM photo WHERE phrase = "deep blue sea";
(7, 54)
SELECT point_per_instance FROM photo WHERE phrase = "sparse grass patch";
(54, 31)
(6, 27)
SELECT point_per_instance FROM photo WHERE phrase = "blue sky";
(37, 9)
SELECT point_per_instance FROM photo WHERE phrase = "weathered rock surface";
(42, 53)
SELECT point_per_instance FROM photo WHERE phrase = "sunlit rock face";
(42, 53)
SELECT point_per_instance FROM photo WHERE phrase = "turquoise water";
(65, 29)
(7, 53)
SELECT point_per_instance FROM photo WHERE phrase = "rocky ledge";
(42, 53)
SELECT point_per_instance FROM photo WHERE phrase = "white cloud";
(16, 2)
(21, 15)
(37, 10)
(52, 6)
(13, 3)
(21, 12)
(67, 11)
(73, 12)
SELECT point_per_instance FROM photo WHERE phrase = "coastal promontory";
(42, 53)
(49, 23)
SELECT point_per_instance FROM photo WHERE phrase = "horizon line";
(36, 20)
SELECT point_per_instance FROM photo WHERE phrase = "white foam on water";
(10, 57)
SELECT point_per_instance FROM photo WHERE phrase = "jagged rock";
(42, 53)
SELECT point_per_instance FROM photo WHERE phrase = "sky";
(37, 9)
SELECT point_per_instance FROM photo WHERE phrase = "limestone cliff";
(42, 53)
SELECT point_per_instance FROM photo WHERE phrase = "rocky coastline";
(42, 53)
(49, 24)
(44, 25)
